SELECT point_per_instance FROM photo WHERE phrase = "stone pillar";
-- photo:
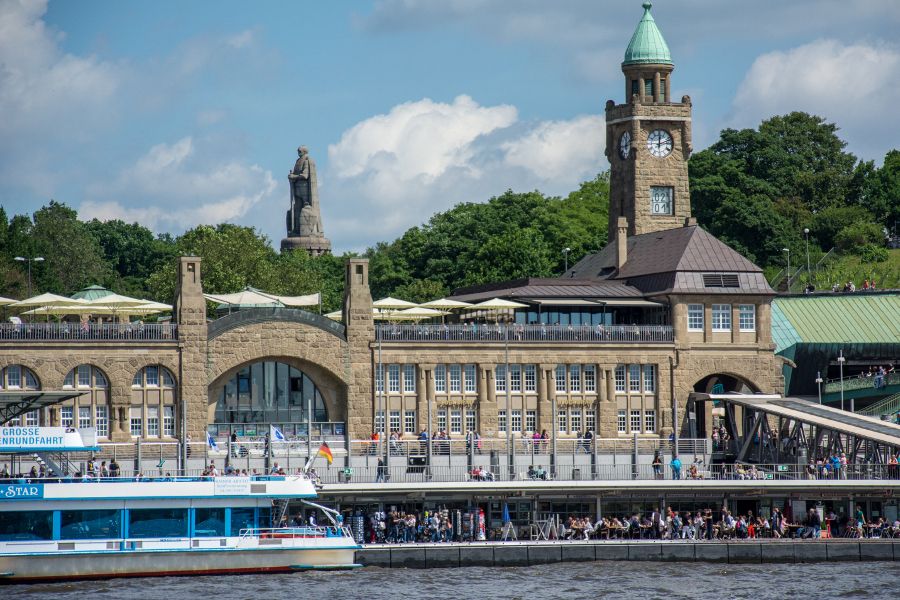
(190, 312)
(679, 322)
(546, 391)
(707, 323)
(606, 417)
(656, 90)
(488, 409)
(359, 375)
(764, 325)
(424, 381)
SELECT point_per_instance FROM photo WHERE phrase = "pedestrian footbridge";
(770, 428)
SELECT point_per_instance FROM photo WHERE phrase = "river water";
(562, 580)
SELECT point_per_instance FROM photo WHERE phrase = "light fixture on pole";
(566, 253)
(806, 235)
(29, 261)
(788, 250)
(841, 361)
(819, 383)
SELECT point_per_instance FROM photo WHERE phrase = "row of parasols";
(109, 304)
(393, 309)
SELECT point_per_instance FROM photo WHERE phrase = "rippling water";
(561, 580)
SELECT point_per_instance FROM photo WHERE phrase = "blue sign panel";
(21, 491)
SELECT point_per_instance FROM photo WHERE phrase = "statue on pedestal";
(303, 219)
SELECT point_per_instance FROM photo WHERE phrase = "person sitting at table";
(532, 474)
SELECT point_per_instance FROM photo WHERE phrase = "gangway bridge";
(772, 429)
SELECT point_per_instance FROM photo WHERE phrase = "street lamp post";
(566, 253)
(806, 235)
(29, 261)
(819, 383)
(841, 360)
(788, 250)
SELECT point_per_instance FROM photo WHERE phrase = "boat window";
(90, 524)
(241, 518)
(209, 522)
(31, 525)
(158, 522)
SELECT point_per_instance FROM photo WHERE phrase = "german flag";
(325, 451)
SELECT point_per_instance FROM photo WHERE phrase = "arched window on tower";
(90, 409)
(153, 401)
(18, 377)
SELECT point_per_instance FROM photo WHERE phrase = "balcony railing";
(75, 332)
(860, 383)
(486, 332)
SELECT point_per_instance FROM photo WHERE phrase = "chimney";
(621, 242)
(690, 222)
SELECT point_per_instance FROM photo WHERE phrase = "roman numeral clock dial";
(659, 143)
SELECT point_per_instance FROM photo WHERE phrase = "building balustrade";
(88, 332)
(487, 332)
(860, 383)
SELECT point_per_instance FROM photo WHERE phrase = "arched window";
(270, 392)
(17, 377)
(153, 395)
(91, 409)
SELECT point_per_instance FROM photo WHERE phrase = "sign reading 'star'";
(21, 491)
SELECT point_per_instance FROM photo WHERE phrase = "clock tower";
(648, 139)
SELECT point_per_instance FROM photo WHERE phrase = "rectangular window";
(590, 378)
(379, 379)
(635, 421)
(136, 420)
(530, 378)
(409, 421)
(575, 420)
(635, 87)
(695, 317)
(409, 379)
(14, 377)
(471, 384)
(721, 317)
(562, 421)
(501, 420)
(84, 376)
(442, 420)
(153, 421)
(168, 420)
(66, 416)
(515, 378)
(379, 421)
(517, 420)
(152, 376)
(620, 378)
(84, 417)
(561, 378)
(662, 89)
(394, 421)
(31, 418)
(747, 317)
(471, 421)
(500, 378)
(455, 378)
(634, 378)
(455, 421)
(590, 420)
(90, 524)
(575, 378)
(158, 522)
(621, 423)
(530, 420)
(440, 379)
(648, 87)
(394, 379)
(649, 378)
(649, 421)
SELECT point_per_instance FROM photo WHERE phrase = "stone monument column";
(357, 317)
(193, 379)
(303, 219)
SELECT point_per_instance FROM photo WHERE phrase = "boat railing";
(299, 532)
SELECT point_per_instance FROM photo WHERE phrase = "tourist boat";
(167, 526)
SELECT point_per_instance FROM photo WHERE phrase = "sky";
(174, 113)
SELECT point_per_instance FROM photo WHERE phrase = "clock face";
(625, 145)
(660, 200)
(659, 143)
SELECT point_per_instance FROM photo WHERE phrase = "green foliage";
(856, 236)
(871, 253)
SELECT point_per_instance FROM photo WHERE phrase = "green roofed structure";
(647, 45)
(812, 331)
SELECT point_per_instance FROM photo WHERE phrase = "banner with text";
(40, 439)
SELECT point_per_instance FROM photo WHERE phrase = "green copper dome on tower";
(647, 45)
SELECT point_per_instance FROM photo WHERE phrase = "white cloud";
(174, 187)
(390, 171)
(851, 85)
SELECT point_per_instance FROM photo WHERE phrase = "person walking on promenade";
(676, 467)
(379, 471)
(657, 466)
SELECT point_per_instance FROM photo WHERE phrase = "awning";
(15, 403)
(562, 301)
(635, 303)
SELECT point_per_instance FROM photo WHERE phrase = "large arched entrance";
(717, 383)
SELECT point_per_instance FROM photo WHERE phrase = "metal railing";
(75, 332)
(482, 332)
(860, 383)
(888, 406)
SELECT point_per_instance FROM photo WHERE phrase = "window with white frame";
(500, 378)
(32, 418)
(590, 378)
(635, 421)
(168, 420)
(394, 379)
(440, 379)
(456, 421)
(575, 420)
(747, 317)
(649, 378)
(101, 421)
(67, 416)
(442, 419)
(409, 421)
(471, 420)
(379, 421)
(562, 420)
(649, 421)
(471, 382)
(394, 422)
(154, 387)
(501, 420)
(153, 421)
(695, 317)
(84, 376)
(455, 378)
(530, 420)
(530, 378)
(621, 422)
(379, 379)
(721, 317)
(620, 378)
(136, 420)
(152, 376)
(517, 420)
(84, 417)
(634, 378)
(561, 378)
(409, 379)
(575, 378)
(515, 378)
(590, 420)
(13, 377)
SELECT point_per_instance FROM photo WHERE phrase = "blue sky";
(179, 113)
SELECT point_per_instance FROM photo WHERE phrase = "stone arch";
(23, 369)
(731, 382)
